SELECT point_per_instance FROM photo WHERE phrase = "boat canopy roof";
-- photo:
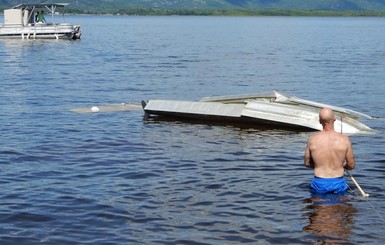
(39, 5)
(284, 99)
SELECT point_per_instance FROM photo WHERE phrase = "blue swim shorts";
(328, 185)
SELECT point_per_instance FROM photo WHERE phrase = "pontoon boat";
(27, 21)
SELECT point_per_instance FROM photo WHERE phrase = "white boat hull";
(43, 31)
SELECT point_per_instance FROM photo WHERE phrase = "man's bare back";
(328, 152)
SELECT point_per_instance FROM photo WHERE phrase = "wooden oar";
(358, 186)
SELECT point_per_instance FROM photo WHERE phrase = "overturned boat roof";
(274, 109)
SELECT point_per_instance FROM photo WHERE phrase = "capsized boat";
(273, 109)
(27, 21)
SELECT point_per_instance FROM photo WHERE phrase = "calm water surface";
(70, 178)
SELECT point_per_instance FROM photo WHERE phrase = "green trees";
(219, 8)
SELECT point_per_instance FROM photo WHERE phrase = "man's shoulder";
(314, 138)
(317, 135)
(339, 135)
(323, 134)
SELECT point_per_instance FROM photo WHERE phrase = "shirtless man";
(328, 153)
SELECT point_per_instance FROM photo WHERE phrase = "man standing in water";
(329, 153)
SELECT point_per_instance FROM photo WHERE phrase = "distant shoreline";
(274, 13)
(234, 12)
(225, 12)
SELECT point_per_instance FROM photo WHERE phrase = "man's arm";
(350, 162)
(308, 160)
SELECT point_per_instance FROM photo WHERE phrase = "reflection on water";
(330, 216)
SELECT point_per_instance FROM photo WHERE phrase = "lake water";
(112, 178)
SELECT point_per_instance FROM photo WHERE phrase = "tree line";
(230, 12)
(218, 12)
